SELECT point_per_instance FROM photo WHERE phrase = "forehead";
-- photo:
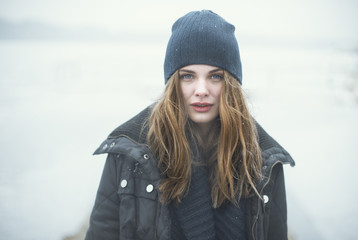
(200, 68)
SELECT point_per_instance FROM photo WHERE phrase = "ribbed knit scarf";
(195, 218)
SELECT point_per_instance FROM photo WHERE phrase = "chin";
(202, 120)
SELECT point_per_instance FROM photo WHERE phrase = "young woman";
(194, 165)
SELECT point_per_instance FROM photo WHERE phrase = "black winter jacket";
(127, 205)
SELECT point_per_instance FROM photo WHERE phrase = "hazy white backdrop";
(71, 71)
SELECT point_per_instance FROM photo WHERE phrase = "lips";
(201, 106)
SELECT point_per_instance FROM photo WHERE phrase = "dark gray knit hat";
(203, 37)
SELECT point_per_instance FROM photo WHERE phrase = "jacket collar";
(270, 148)
(137, 129)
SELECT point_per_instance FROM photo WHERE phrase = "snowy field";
(59, 100)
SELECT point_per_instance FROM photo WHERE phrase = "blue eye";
(186, 76)
(217, 76)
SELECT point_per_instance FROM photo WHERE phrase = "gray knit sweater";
(195, 218)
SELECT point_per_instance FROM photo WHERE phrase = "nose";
(201, 89)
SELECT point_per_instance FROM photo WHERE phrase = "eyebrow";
(216, 70)
(190, 71)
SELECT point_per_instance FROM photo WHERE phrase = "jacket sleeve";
(277, 219)
(104, 220)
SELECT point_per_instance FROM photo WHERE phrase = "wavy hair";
(231, 148)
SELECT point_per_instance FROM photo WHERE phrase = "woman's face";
(201, 88)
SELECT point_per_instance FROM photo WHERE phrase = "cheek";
(185, 90)
(217, 92)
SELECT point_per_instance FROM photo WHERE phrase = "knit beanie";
(203, 37)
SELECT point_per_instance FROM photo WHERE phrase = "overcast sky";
(333, 21)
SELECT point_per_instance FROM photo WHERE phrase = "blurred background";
(71, 71)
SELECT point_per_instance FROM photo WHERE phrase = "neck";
(204, 129)
(206, 133)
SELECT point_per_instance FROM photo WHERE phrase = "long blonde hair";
(231, 147)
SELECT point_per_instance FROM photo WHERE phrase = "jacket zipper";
(258, 203)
